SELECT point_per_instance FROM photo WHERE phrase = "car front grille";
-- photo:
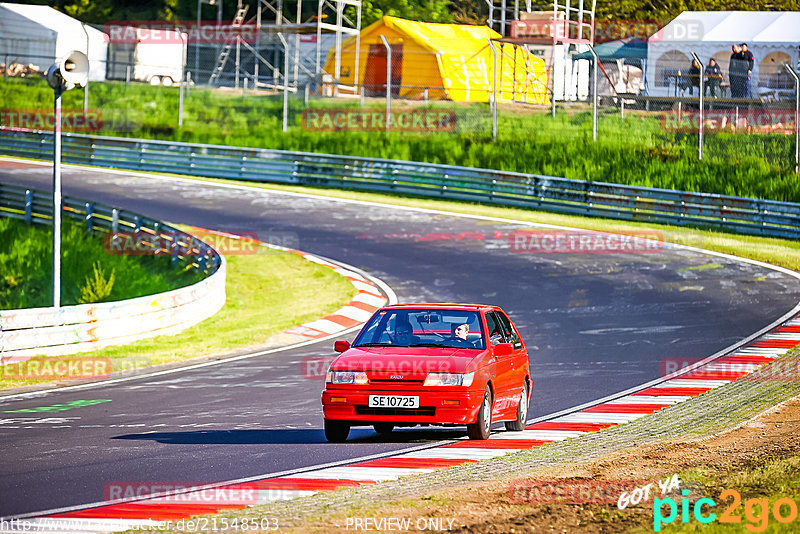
(423, 411)
(395, 381)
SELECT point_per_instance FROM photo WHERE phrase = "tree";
(421, 10)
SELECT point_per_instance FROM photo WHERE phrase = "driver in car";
(459, 335)
(404, 335)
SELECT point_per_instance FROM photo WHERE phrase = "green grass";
(266, 294)
(26, 267)
(631, 151)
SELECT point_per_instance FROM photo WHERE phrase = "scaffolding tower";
(552, 32)
(282, 37)
(573, 23)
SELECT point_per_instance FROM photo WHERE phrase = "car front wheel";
(522, 412)
(482, 426)
(336, 431)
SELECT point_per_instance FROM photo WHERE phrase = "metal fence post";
(494, 89)
(28, 206)
(702, 105)
(594, 92)
(89, 216)
(796, 117)
(285, 82)
(388, 80)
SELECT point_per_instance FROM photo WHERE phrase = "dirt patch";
(490, 507)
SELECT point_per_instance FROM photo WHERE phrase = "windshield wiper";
(432, 345)
(374, 345)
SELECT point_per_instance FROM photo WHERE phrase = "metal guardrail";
(642, 204)
(29, 332)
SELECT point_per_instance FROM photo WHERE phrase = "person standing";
(713, 76)
(737, 72)
(694, 77)
(747, 57)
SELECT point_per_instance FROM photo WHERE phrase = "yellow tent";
(451, 61)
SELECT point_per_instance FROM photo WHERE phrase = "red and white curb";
(649, 398)
(356, 312)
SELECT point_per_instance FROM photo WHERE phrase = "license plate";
(393, 401)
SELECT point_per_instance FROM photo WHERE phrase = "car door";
(518, 358)
(504, 376)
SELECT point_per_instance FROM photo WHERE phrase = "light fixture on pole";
(67, 72)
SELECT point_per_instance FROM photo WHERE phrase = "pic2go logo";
(756, 511)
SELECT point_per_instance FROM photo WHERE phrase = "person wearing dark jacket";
(693, 77)
(737, 72)
(713, 76)
(747, 57)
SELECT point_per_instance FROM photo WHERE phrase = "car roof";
(441, 306)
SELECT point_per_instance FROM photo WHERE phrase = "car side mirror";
(503, 349)
(341, 345)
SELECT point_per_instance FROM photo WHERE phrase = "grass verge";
(266, 294)
(88, 272)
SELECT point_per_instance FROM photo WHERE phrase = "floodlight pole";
(57, 198)
(388, 80)
(702, 105)
(494, 89)
(796, 117)
(594, 92)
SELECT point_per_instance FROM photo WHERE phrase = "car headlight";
(346, 377)
(449, 379)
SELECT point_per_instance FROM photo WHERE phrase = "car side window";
(511, 335)
(496, 333)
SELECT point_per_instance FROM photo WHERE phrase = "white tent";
(40, 34)
(772, 37)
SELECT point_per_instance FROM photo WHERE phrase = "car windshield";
(423, 328)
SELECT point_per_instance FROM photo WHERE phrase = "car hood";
(407, 361)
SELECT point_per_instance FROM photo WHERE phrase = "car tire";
(155, 80)
(166, 81)
(383, 428)
(522, 412)
(482, 426)
(336, 431)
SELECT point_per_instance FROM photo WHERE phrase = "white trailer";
(159, 56)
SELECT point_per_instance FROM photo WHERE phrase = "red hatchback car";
(429, 364)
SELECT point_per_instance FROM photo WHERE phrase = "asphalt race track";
(595, 324)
